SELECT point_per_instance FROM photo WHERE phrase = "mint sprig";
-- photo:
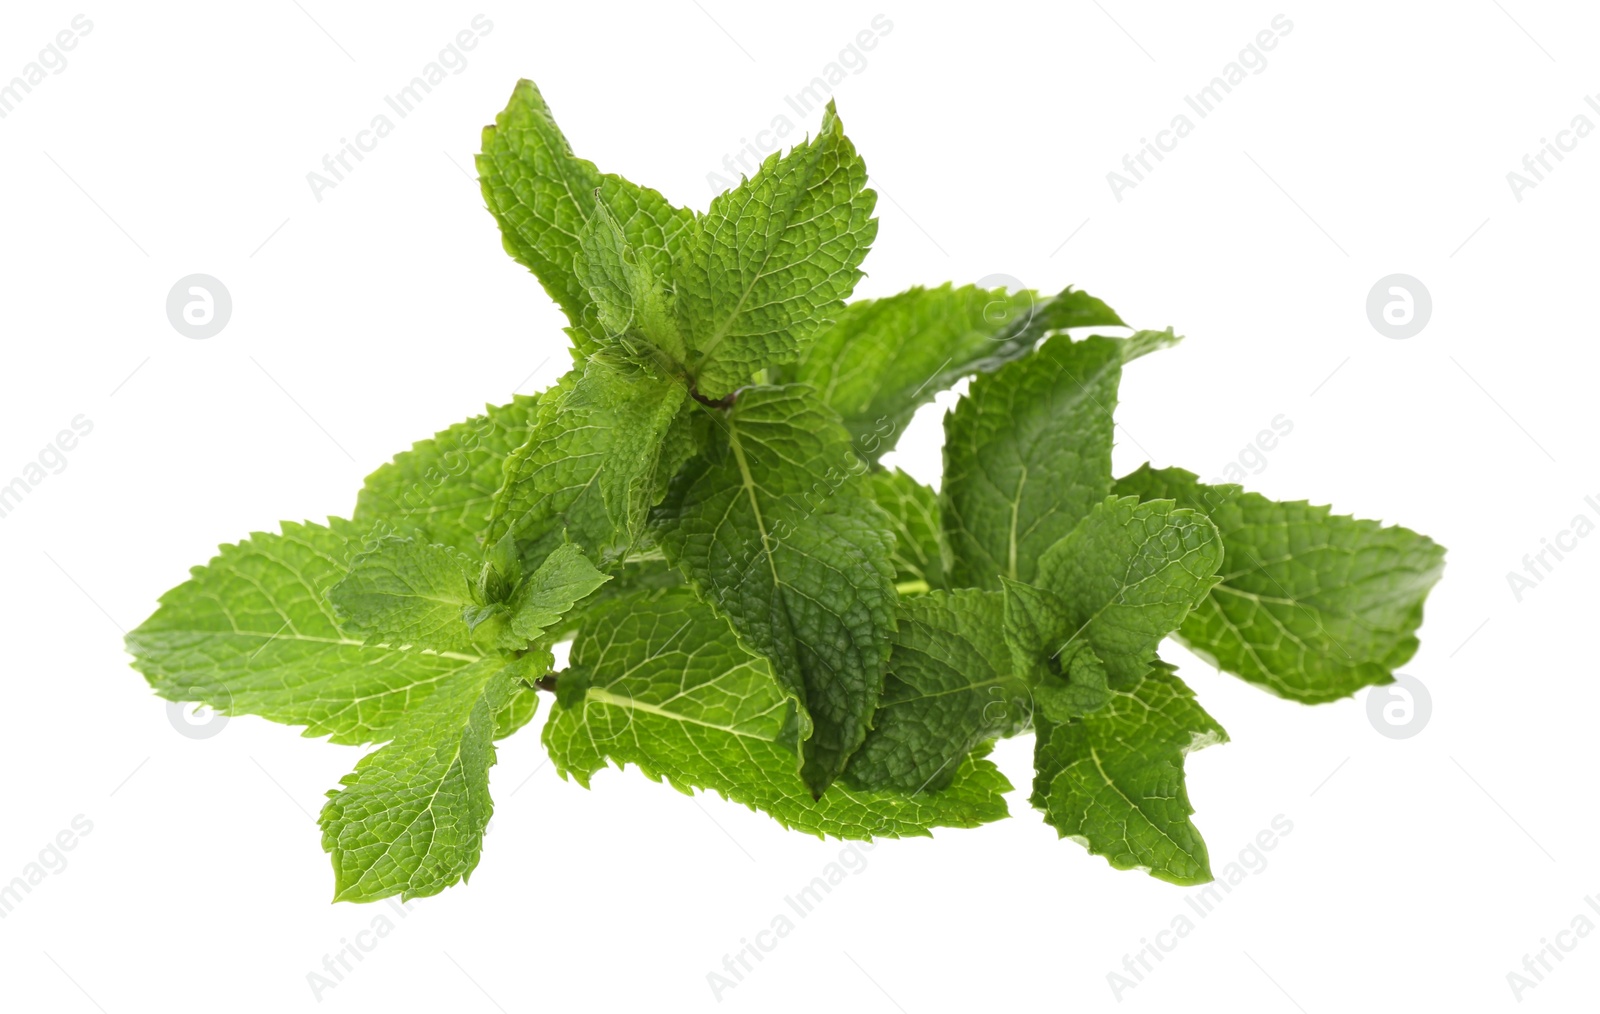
(756, 606)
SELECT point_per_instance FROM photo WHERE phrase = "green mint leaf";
(1113, 780)
(411, 816)
(1080, 685)
(1128, 574)
(949, 689)
(630, 303)
(592, 464)
(516, 712)
(252, 633)
(662, 684)
(543, 198)
(1041, 631)
(408, 594)
(646, 578)
(441, 489)
(1142, 343)
(1312, 606)
(1027, 452)
(565, 578)
(913, 511)
(773, 528)
(881, 358)
(774, 259)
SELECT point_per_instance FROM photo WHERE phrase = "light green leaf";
(441, 489)
(1311, 605)
(774, 528)
(881, 358)
(408, 594)
(631, 305)
(410, 818)
(1128, 574)
(252, 633)
(565, 578)
(948, 690)
(1113, 780)
(1027, 452)
(648, 577)
(774, 259)
(913, 511)
(589, 470)
(543, 196)
(516, 712)
(1142, 343)
(665, 686)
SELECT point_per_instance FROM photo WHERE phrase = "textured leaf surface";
(588, 471)
(518, 710)
(410, 818)
(1113, 780)
(1066, 677)
(668, 689)
(775, 530)
(631, 305)
(913, 511)
(881, 358)
(543, 197)
(948, 690)
(774, 259)
(252, 633)
(565, 578)
(408, 594)
(1128, 575)
(1027, 452)
(441, 489)
(1312, 606)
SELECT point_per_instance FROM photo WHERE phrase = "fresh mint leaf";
(516, 712)
(913, 511)
(666, 687)
(949, 689)
(1128, 574)
(774, 259)
(773, 527)
(1113, 779)
(565, 578)
(519, 619)
(632, 306)
(589, 470)
(543, 196)
(1027, 452)
(252, 633)
(881, 358)
(440, 490)
(1311, 605)
(408, 594)
(1066, 677)
(410, 818)
(646, 577)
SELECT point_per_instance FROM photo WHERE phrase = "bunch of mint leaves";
(755, 605)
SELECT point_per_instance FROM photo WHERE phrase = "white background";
(1376, 140)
